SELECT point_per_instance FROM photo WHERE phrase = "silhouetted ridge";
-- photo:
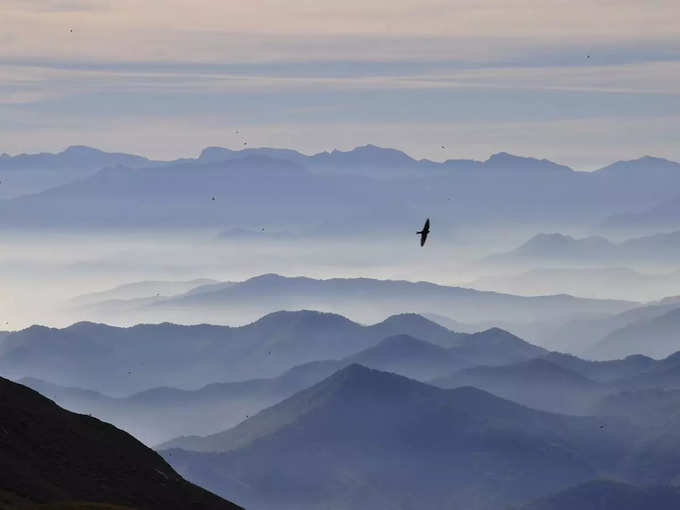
(610, 495)
(50, 455)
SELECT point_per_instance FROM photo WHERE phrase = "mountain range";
(537, 383)
(159, 414)
(656, 337)
(580, 334)
(123, 360)
(592, 251)
(365, 299)
(566, 384)
(363, 438)
(31, 173)
(144, 289)
(315, 192)
(662, 216)
(606, 282)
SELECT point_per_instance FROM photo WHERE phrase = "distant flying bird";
(443, 147)
(245, 143)
(424, 233)
(213, 198)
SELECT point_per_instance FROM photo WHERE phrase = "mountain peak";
(641, 165)
(215, 154)
(80, 150)
(411, 318)
(369, 154)
(399, 347)
(556, 244)
(506, 161)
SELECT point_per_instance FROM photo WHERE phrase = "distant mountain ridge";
(159, 414)
(31, 173)
(656, 337)
(373, 182)
(366, 299)
(555, 247)
(80, 155)
(537, 383)
(378, 161)
(605, 282)
(147, 356)
(664, 215)
(73, 158)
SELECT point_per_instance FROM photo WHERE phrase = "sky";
(581, 82)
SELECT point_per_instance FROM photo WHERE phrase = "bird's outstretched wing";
(423, 233)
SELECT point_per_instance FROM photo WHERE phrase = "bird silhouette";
(424, 233)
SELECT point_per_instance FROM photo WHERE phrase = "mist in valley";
(218, 288)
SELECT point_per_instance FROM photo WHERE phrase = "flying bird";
(424, 233)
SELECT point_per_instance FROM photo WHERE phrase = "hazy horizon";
(531, 77)
(322, 255)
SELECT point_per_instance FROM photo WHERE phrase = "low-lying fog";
(62, 266)
(59, 267)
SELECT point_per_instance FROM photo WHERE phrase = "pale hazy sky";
(168, 77)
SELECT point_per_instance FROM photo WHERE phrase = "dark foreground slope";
(49, 455)
(369, 439)
(607, 495)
